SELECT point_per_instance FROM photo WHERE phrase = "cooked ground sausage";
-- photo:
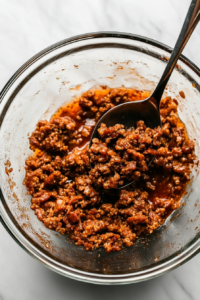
(70, 198)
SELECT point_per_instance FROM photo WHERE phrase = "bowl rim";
(189, 251)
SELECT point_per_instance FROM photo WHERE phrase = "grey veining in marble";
(27, 27)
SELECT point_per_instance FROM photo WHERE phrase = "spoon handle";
(191, 20)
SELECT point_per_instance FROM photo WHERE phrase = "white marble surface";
(27, 27)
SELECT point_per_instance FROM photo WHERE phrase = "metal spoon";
(148, 110)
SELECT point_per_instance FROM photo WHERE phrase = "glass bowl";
(49, 80)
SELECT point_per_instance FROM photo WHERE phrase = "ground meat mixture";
(123, 155)
(70, 198)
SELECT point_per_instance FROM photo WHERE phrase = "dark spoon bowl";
(128, 114)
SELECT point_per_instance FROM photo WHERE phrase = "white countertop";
(27, 27)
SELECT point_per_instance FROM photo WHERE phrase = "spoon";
(148, 110)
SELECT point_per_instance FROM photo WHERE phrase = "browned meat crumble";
(123, 155)
(67, 196)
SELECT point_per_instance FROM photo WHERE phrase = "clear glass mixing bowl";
(51, 79)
